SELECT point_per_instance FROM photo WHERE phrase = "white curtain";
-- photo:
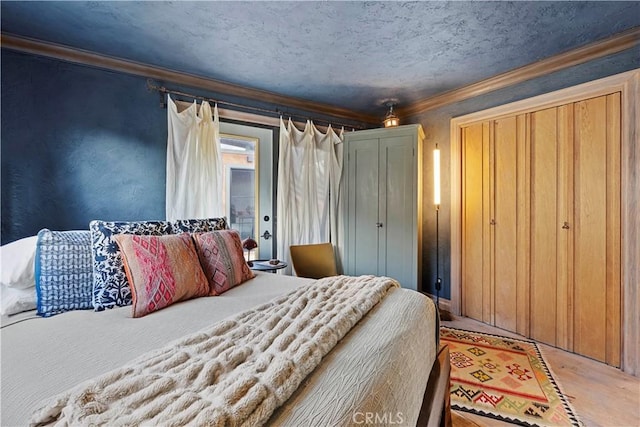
(194, 162)
(309, 173)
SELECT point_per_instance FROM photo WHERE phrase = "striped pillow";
(222, 260)
(63, 271)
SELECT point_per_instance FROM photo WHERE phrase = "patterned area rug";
(505, 379)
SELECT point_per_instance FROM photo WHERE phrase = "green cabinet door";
(382, 222)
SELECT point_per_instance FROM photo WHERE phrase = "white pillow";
(14, 300)
(17, 263)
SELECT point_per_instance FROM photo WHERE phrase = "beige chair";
(313, 261)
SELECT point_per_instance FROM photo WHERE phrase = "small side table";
(263, 265)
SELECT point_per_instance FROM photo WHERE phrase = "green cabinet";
(382, 189)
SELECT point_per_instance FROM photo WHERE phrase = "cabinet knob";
(493, 222)
(565, 226)
(379, 224)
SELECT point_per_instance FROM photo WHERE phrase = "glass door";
(247, 155)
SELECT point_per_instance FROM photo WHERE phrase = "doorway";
(247, 156)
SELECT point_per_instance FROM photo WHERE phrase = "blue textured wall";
(436, 125)
(80, 143)
(77, 144)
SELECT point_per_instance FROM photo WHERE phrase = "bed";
(388, 369)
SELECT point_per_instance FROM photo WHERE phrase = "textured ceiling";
(348, 54)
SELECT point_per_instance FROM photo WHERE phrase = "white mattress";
(381, 366)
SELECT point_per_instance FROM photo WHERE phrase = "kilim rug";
(505, 379)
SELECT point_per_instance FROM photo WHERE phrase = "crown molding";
(614, 44)
(83, 57)
(611, 45)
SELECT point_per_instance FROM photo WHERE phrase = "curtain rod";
(277, 112)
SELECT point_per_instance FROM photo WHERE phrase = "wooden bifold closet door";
(495, 272)
(541, 225)
(596, 236)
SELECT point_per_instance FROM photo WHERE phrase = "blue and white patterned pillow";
(199, 225)
(110, 285)
(63, 270)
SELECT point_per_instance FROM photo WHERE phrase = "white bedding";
(381, 366)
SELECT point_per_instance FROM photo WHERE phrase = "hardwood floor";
(601, 395)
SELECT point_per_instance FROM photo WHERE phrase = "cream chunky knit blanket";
(234, 373)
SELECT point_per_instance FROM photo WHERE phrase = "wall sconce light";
(391, 120)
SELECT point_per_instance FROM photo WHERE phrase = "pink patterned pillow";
(161, 270)
(222, 260)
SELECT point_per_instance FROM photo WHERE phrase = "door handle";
(493, 222)
(379, 224)
(266, 235)
(565, 225)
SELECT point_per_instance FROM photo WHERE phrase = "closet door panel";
(504, 229)
(564, 272)
(591, 180)
(362, 213)
(488, 242)
(472, 221)
(544, 225)
(523, 214)
(398, 210)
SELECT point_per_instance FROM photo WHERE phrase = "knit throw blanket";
(234, 373)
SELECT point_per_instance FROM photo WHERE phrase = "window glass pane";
(238, 157)
(242, 210)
